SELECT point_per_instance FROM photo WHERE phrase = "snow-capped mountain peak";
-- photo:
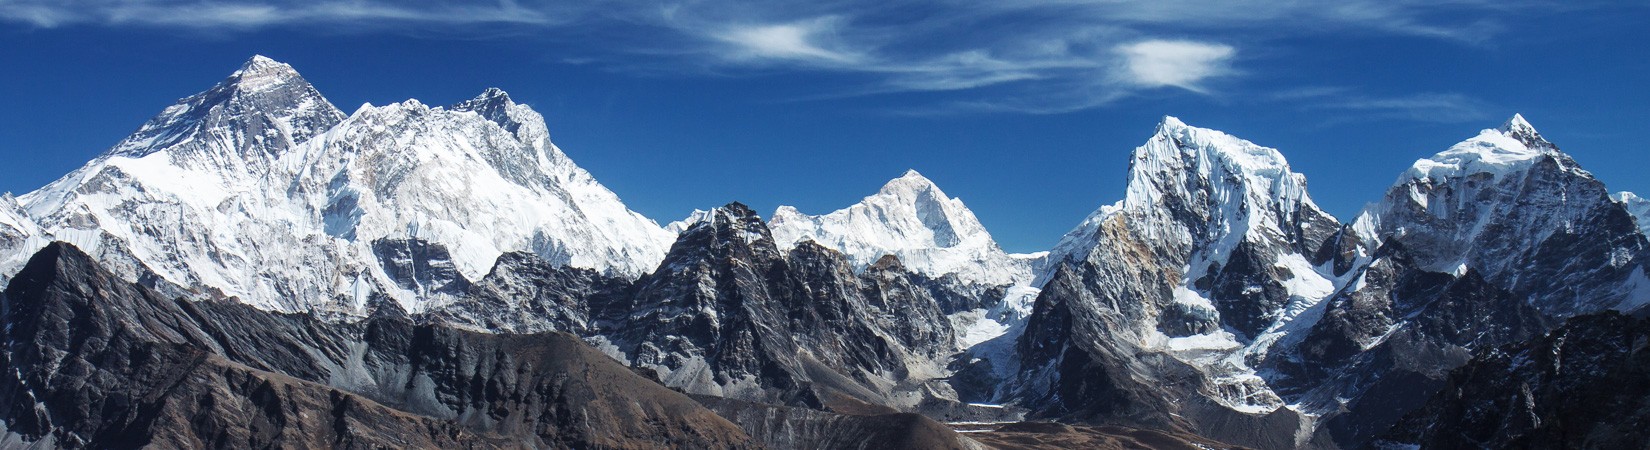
(256, 113)
(481, 178)
(1493, 202)
(1199, 187)
(496, 105)
(1512, 147)
(1179, 150)
(911, 218)
(261, 73)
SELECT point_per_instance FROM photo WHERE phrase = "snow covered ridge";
(259, 188)
(1511, 147)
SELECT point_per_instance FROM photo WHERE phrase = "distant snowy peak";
(252, 116)
(910, 218)
(693, 218)
(1638, 206)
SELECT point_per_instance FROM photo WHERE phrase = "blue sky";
(1027, 110)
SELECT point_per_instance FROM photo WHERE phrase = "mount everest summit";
(404, 254)
(260, 189)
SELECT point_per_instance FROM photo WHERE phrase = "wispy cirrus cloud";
(1027, 56)
(1440, 107)
(802, 41)
(233, 15)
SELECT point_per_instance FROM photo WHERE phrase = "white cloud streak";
(792, 41)
(1351, 105)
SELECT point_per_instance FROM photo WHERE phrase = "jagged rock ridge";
(100, 363)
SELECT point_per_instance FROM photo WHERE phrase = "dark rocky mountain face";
(729, 314)
(1059, 436)
(911, 307)
(1584, 385)
(1095, 372)
(420, 266)
(100, 363)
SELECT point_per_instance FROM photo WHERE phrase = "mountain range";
(252, 260)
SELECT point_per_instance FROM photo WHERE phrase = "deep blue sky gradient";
(1350, 110)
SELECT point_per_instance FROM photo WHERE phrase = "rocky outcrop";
(804, 428)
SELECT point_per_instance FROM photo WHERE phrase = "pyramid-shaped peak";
(1520, 129)
(1517, 122)
(1512, 147)
(260, 73)
(1187, 162)
(911, 182)
(260, 62)
(261, 89)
